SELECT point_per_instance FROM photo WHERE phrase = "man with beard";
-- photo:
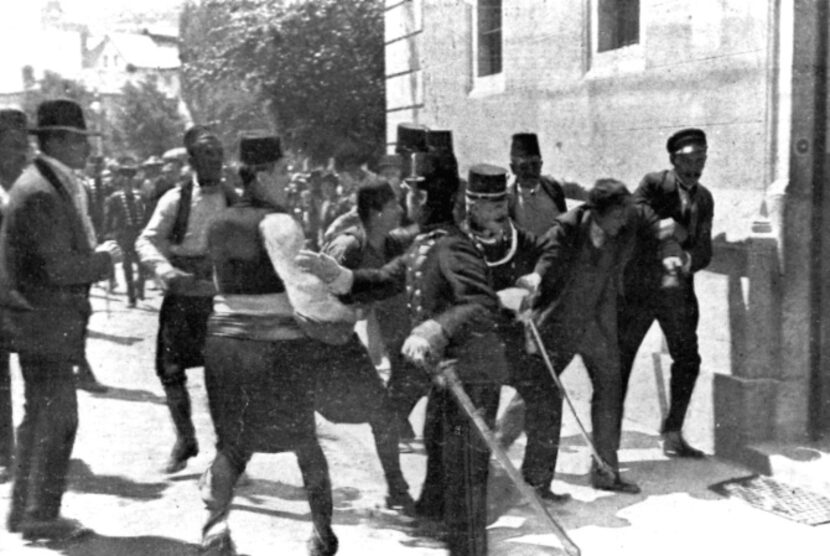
(454, 312)
(173, 246)
(687, 207)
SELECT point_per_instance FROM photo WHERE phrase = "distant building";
(603, 83)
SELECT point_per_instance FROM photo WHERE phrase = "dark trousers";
(455, 487)
(536, 409)
(676, 311)
(217, 486)
(135, 282)
(45, 437)
(407, 384)
(6, 417)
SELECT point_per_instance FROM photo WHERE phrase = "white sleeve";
(309, 296)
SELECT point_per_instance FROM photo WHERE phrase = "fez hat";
(487, 182)
(12, 119)
(390, 161)
(61, 115)
(126, 166)
(524, 144)
(686, 141)
(194, 133)
(259, 149)
(411, 137)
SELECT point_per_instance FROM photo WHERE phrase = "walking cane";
(466, 404)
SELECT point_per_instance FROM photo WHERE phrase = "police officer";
(173, 246)
(454, 311)
(687, 208)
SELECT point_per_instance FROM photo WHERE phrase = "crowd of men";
(265, 273)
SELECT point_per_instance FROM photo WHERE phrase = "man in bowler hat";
(48, 254)
(686, 207)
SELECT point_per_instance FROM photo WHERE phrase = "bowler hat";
(259, 149)
(487, 182)
(686, 141)
(61, 115)
(524, 145)
(12, 119)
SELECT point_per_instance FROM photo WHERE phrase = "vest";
(241, 263)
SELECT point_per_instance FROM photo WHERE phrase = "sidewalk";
(125, 436)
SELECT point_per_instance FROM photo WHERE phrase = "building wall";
(699, 63)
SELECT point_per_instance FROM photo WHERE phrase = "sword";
(601, 464)
(512, 299)
(454, 384)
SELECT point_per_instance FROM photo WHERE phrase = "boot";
(325, 544)
(216, 490)
(178, 401)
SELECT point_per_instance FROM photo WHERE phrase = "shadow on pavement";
(99, 545)
(120, 340)
(128, 395)
(82, 479)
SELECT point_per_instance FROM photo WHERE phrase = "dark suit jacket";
(658, 190)
(45, 256)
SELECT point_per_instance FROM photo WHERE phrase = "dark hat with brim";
(524, 145)
(13, 119)
(255, 150)
(486, 182)
(61, 115)
(686, 141)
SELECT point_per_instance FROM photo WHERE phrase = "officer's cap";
(411, 137)
(686, 141)
(487, 182)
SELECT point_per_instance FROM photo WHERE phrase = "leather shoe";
(182, 451)
(548, 495)
(674, 446)
(402, 502)
(219, 545)
(60, 529)
(613, 483)
(326, 545)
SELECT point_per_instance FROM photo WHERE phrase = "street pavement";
(125, 435)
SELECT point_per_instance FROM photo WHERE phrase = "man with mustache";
(687, 207)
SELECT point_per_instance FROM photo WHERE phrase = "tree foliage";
(315, 69)
(52, 86)
(147, 122)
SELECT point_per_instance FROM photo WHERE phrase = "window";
(619, 24)
(489, 37)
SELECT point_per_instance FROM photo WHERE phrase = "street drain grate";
(765, 493)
